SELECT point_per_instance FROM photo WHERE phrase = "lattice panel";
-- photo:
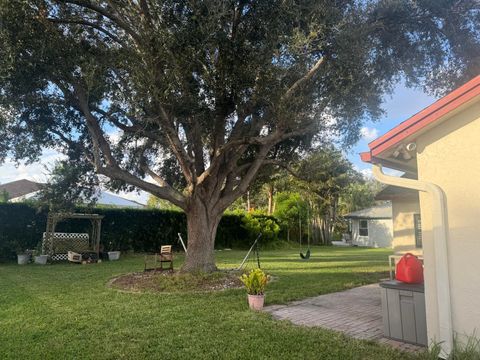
(60, 243)
(64, 257)
(59, 257)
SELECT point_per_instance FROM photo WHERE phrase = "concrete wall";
(449, 156)
(403, 211)
(380, 233)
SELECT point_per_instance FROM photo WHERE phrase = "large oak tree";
(189, 100)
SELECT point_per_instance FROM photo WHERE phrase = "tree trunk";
(270, 199)
(202, 224)
(323, 230)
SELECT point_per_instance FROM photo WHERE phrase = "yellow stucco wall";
(403, 225)
(449, 156)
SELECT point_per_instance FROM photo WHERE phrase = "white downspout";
(440, 232)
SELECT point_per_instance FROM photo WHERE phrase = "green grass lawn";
(65, 311)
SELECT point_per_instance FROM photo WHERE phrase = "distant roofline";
(19, 188)
(15, 195)
(359, 214)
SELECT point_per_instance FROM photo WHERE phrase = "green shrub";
(21, 228)
(258, 222)
(140, 230)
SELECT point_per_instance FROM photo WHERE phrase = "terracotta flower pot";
(256, 301)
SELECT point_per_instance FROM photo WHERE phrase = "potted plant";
(113, 254)
(255, 282)
(38, 257)
(23, 256)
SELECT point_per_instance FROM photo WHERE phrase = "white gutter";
(440, 231)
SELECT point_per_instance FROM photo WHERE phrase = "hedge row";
(140, 230)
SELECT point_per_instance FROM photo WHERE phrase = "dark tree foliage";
(323, 178)
(60, 195)
(4, 197)
(188, 100)
(140, 230)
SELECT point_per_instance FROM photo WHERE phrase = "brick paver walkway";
(356, 312)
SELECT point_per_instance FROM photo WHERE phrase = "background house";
(21, 190)
(406, 218)
(372, 226)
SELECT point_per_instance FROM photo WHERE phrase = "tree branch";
(245, 181)
(86, 23)
(185, 161)
(194, 138)
(273, 162)
(304, 79)
(145, 11)
(104, 12)
(111, 168)
(143, 163)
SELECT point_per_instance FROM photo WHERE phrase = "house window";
(363, 228)
(417, 222)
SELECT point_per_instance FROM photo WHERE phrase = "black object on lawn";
(307, 254)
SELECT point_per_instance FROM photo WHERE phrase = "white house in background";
(22, 190)
(372, 227)
(110, 199)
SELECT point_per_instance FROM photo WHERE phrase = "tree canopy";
(189, 100)
(4, 197)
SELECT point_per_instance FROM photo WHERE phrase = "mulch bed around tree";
(175, 282)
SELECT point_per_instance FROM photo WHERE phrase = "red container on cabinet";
(409, 269)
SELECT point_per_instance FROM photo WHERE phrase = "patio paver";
(356, 312)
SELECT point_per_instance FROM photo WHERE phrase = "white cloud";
(393, 172)
(367, 173)
(9, 171)
(115, 135)
(369, 133)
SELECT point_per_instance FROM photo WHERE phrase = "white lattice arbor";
(57, 245)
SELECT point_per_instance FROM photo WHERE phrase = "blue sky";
(399, 106)
(402, 104)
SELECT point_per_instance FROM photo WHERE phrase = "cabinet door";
(420, 318)
(394, 314)
(385, 315)
(407, 308)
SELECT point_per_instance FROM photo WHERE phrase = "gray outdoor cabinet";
(403, 307)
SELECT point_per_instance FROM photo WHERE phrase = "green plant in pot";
(23, 255)
(39, 258)
(113, 251)
(21, 248)
(255, 282)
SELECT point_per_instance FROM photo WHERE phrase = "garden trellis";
(57, 245)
